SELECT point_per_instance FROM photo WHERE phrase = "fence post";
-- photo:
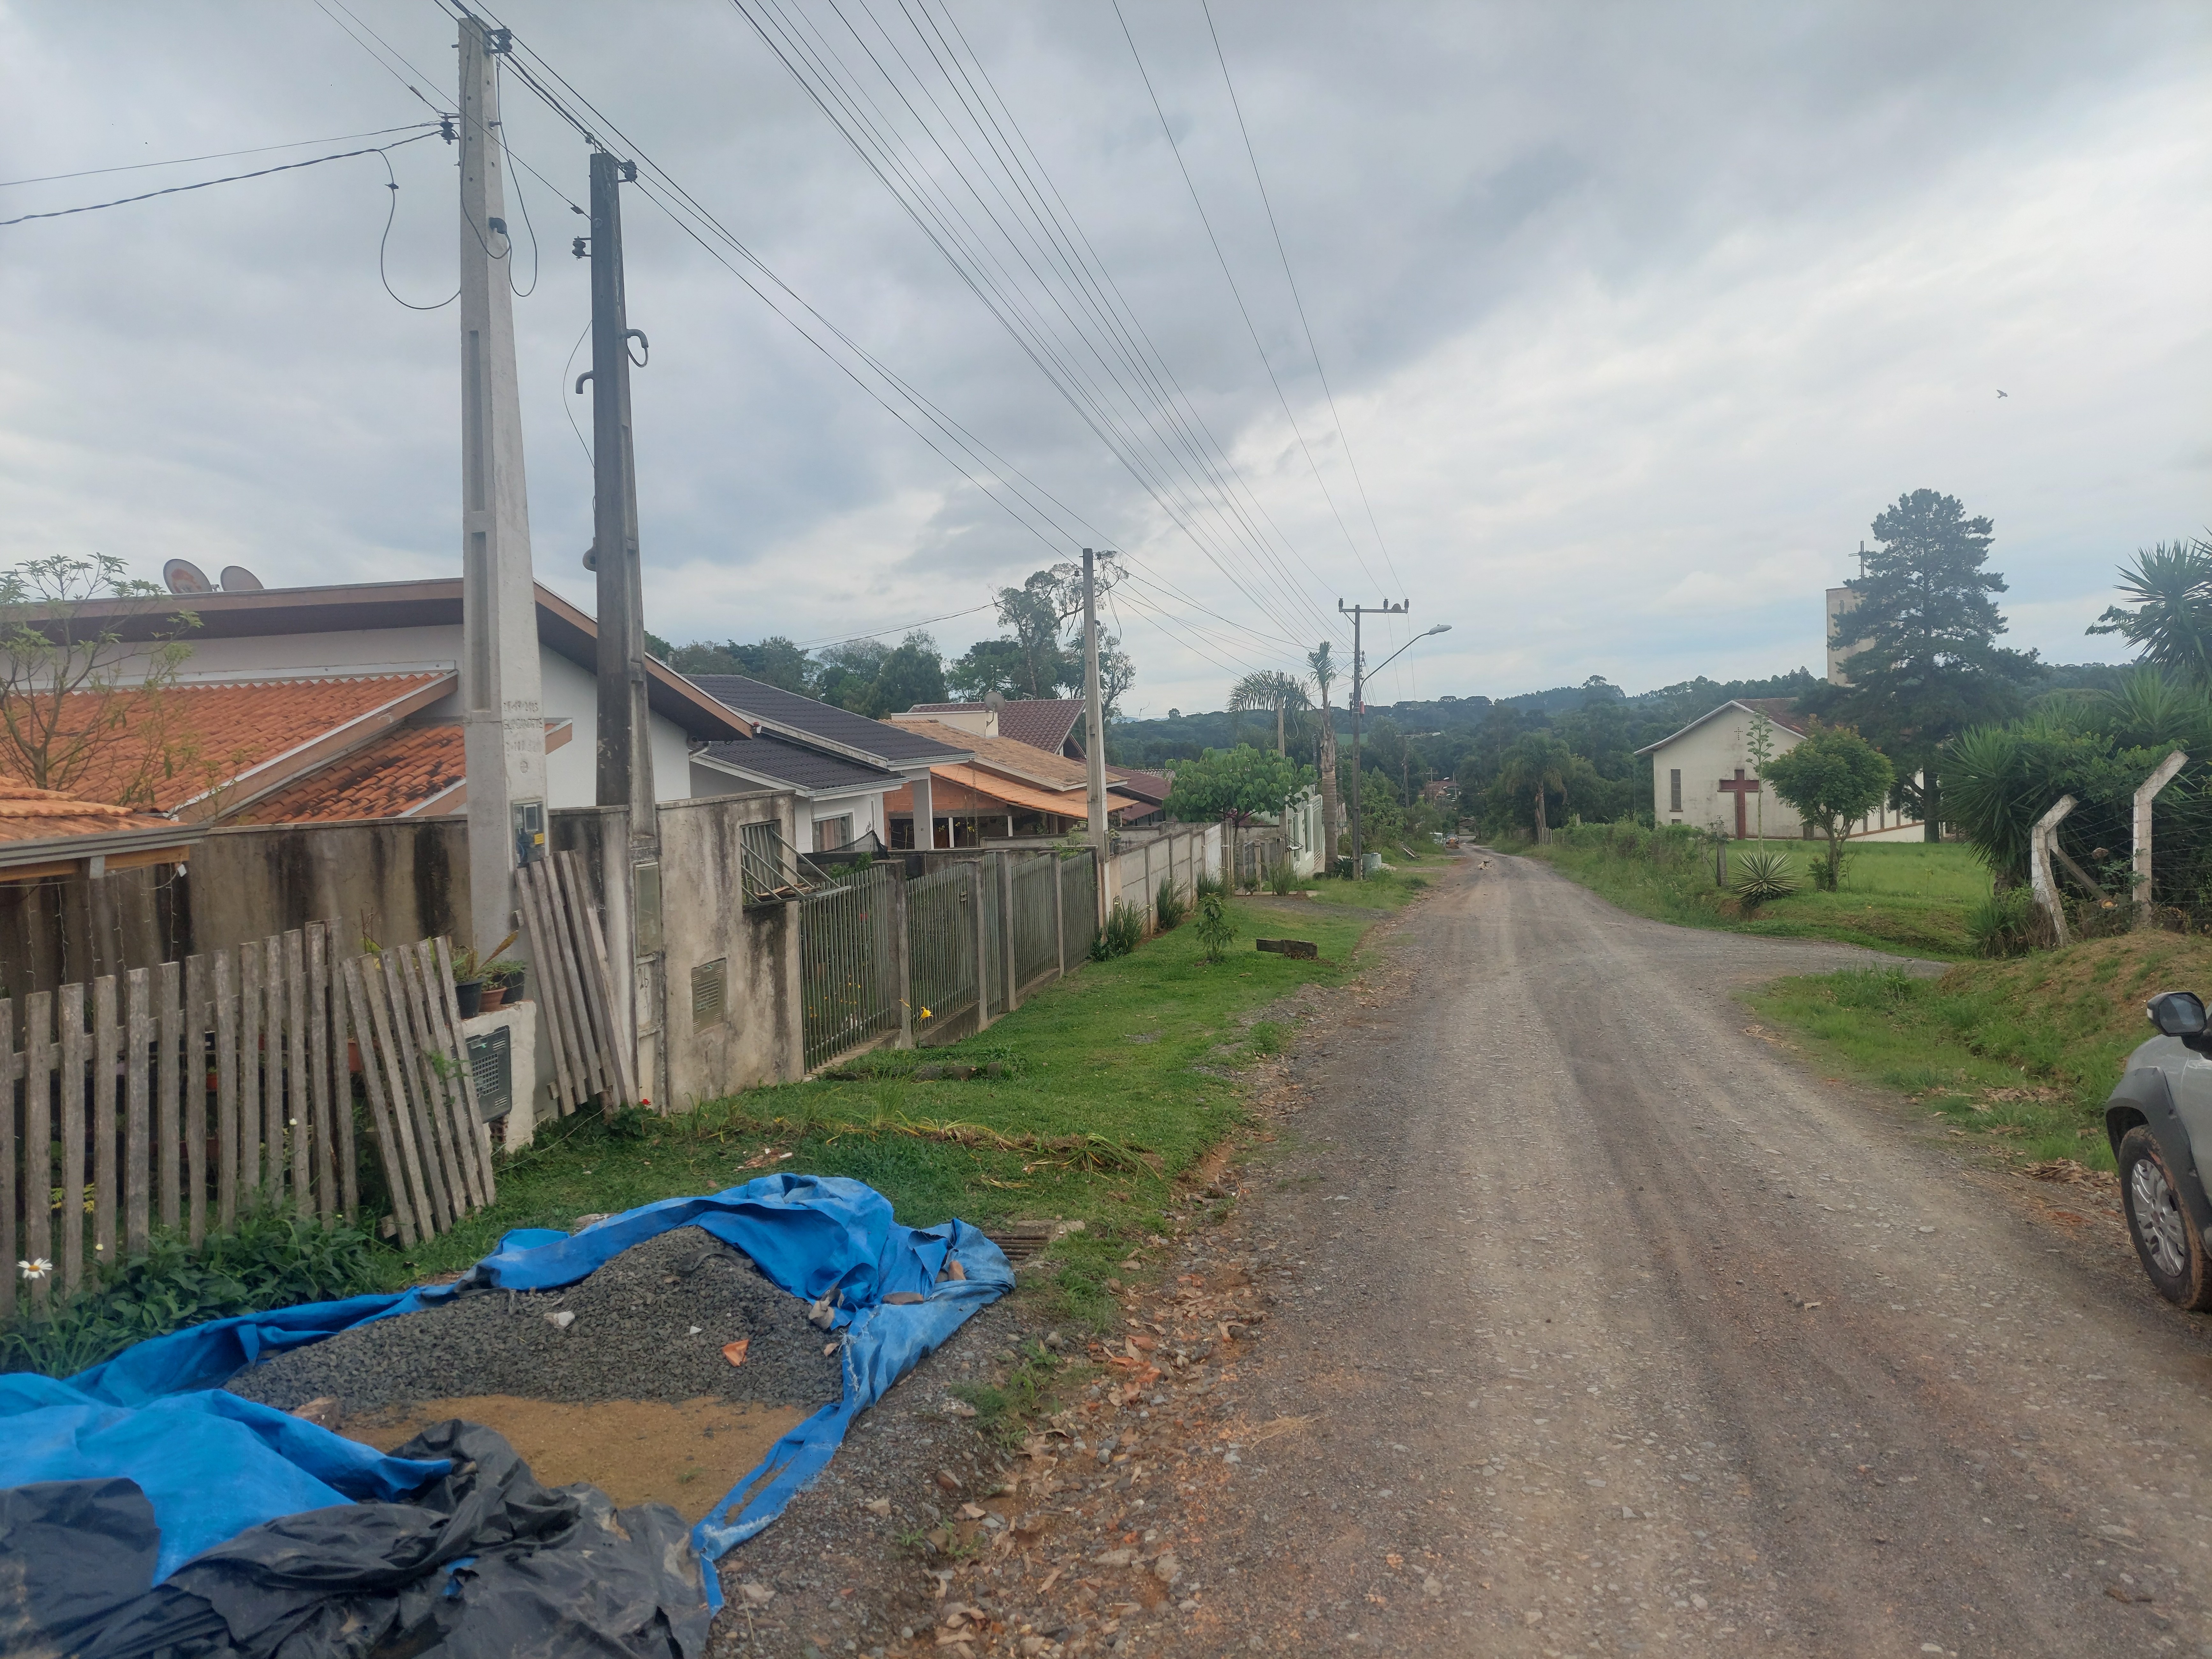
(2157, 780)
(1006, 929)
(2039, 853)
(901, 921)
(1059, 917)
(982, 946)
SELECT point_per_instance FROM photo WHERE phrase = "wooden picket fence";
(591, 1053)
(199, 1087)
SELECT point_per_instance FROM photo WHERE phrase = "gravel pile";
(632, 1338)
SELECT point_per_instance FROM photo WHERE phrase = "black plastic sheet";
(483, 1563)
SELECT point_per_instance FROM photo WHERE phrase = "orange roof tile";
(391, 776)
(968, 789)
(28, 814)
(217, 734)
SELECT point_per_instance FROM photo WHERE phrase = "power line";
(883, 632)
(204, 184)
(1017, 494)
(218, 155)
(881, 151)
(1242, 310)
(1297, 299)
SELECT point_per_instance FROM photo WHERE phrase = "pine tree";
(1930, 666)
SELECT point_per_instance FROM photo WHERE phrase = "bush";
(1171, 905)
(1762, 876)
(2005, 924)
(1209, 886)
(1123, 932)
(1215, 931)
(277, 1258)
(1282, 878)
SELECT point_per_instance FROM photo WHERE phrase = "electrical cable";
(885, 633)
(524, 205)
(392, 212)
(565, 407)
(218, 155)
(204, 184)
(1242, 310)
(690, 216)
(1297, 299)
(1074, 384)
(380, 56)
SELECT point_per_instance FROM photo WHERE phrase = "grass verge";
(1910, 897)
(2020, 1055)
(1113, 1081)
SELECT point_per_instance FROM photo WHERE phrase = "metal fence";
(942, 933)
(1037, 918)
(1078, 910)
(995, 941)
(851, 962)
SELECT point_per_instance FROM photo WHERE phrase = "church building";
(1704, 774)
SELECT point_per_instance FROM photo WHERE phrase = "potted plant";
(468, 983)
(473, 977)
(505, 977)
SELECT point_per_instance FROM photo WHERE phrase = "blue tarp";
(213, 1464)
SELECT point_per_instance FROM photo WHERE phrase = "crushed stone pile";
(651, 1324)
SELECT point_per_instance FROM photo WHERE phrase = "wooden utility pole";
(502, 708)
(1358, 706)
(1094, 733)
(625, 748)
(625, 733)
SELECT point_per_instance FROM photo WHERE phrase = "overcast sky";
(1635, 315)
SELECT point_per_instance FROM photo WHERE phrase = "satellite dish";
(237, 579)
(183, 576)
(994, 700)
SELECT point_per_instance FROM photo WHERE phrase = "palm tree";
(1269, 688)
(2167, 613)
(1537, 764)
(1324, 675)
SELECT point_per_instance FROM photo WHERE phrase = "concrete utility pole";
(1359, 700)
(1094, 731)
(504, 716)
(625, 747)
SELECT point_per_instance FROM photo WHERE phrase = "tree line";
(1040, 654)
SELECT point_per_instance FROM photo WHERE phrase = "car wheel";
(2165, 1234)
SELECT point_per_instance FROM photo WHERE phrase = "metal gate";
(940, 933)
(1079, 909)
(1036, 919)
(850, 962)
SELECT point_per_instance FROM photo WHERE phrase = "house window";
(830, 833)
(1674, 790)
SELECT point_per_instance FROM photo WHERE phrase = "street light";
(1359, 680)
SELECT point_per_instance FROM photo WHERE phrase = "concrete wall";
(394, 880)
(757, 1037)
(1186, 852)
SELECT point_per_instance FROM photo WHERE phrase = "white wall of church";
(1710, 753)
(1704, 757)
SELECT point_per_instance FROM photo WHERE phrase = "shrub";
(277, 1258)
(1123, 932)
(2003, 924)
(1215, 931)
(1205, 886)
(1171, 905)
(1762, 876)
(1282, 877)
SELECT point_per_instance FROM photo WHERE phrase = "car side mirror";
(2178, 1013)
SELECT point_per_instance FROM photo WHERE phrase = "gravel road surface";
(1619, 1330)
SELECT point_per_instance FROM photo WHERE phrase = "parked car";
(2157, 1120)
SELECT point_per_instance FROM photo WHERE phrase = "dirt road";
(1619, 1331)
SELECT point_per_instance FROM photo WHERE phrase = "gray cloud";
(1635, 316)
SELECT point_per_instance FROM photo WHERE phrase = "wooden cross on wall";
(1741, 787)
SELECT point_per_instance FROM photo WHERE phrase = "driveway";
(1601, 1324)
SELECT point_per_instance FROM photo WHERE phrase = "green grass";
(2021, 1054)
(1108, 1055)
(1911, 896)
